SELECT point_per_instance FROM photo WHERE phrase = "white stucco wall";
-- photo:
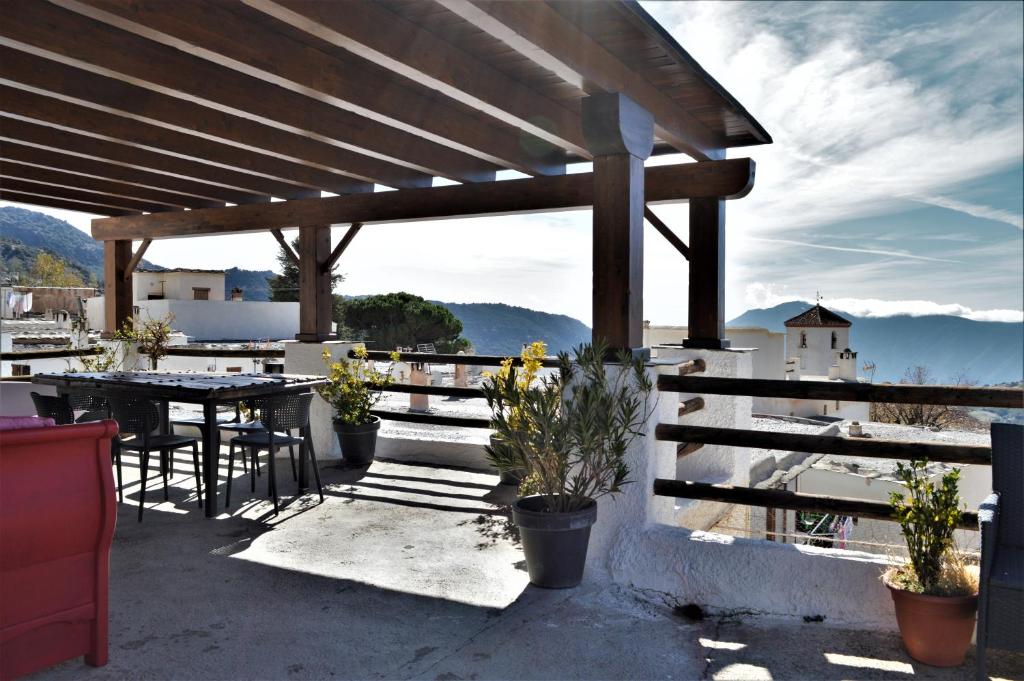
(215, 320)
(176, 285)
(819, 354)
(854, 411)
(767, 360)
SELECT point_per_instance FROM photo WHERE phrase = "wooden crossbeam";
(289, 253)
(136, 259)
(100, 47)
(732, 178)
(342, 245)
(73, 194)
(669, 235)
(58, 202)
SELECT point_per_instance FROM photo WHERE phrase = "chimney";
(236, 294)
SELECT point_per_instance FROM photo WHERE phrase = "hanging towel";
(27, 302)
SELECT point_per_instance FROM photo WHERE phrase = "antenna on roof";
(817, 297)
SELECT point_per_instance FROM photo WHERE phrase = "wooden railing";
(692, 438)
(443, 358)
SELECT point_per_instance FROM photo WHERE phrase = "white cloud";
(848, 249)
(977, 211)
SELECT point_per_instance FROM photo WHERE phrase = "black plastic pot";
(358, 443)
(555, 544)
(509, 477)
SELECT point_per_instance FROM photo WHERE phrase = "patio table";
(206, 389)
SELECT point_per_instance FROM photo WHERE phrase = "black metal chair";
(279, 416)
(61, 408)
(94, 408)
(200, 424)
(255, 426)
(140, 417)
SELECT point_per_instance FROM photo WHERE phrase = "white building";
(195, 298)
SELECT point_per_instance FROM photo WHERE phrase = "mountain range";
(499, 329)
(986, 352)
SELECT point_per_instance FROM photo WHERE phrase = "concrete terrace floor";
(410, 572)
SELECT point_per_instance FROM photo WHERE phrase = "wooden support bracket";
(694, 366)
(669, 235)
(691, 405)
(688, 448)
(286, 246)
(342, 245)
(136, 259)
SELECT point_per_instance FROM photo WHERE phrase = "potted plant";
(571, 434)
(935, 593)
(532, 357)
(151, 336)
(353, 388)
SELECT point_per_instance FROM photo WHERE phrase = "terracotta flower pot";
(936, 630)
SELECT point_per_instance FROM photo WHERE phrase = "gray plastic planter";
(358, 443)
(555, 544)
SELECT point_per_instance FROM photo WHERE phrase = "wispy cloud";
(847, 249)
(977, 211)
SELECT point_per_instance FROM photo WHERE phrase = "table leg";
(307, 433)
(211, 457)
(165, 417)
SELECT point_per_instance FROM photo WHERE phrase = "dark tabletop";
(183, 386)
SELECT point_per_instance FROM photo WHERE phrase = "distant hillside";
(17, 259)
(252, 282)
(987, 352)
(499, 329)
(42, 231)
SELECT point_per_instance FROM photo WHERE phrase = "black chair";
(279, 416)
(255, 426)
(61, 408)
(200, 424)
(140, 417)
(94, 408)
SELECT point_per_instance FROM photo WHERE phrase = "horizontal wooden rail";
(49, 353)
(432, 419)
(953, 395)
(224, 352)
(790, 501)
(441, 358)
(442, 390)
(825, 444)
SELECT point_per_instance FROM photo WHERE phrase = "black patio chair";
(255, 426)
(93, 407)
(1001, 521)
(279, 416)
(140, 417)
(61, 408)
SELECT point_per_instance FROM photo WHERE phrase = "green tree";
(395, 320)
(48, 270)
(284, 287)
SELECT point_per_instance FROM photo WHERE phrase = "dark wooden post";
(707, 275)
(117, 289)
(315, 300)
(620, 135)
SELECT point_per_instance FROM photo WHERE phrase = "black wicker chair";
(255, 426)
(140, 417)
(61, 408)
(279, 416)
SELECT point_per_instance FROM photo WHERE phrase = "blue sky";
(894, 184)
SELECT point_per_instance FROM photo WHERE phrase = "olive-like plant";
(353, 388)
(571, 430)
(928, 515)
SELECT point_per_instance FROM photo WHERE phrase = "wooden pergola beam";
(731, 178)
(664, 230)
(204, 179)
(101, 48)
(65, 204)
(342, 245)
(406, 49)
(72, 194)
(136, 259)
(60, 178)
(71, 84)
(537, 31)
(285, 246)
(274, 176)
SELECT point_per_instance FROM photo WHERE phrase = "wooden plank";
(65, 204)
(664, 230)
(110, 95)
(791, 501)
(316, 303)
(439, 358)
(117, 290)
(209, 29)
(687, 448)
(540, 33)
(101, 48)
(441, 390)
(706, 310)
(231, 185)
(693, 366)
(61, 159)
(732, 178)
(71, 194)
(410, 51)
(963, 396)
(285, 246)
(342, 245)
(431, 419)
(58, 178)
(268, 174)
(691, 405)
(840, 446)
(136, 258)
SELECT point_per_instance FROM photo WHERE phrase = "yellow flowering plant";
(353, 388)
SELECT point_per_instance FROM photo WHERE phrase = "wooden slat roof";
(126, 106)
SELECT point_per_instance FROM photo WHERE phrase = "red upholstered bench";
(57, 514)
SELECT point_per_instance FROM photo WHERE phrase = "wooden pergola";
(186, 118)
